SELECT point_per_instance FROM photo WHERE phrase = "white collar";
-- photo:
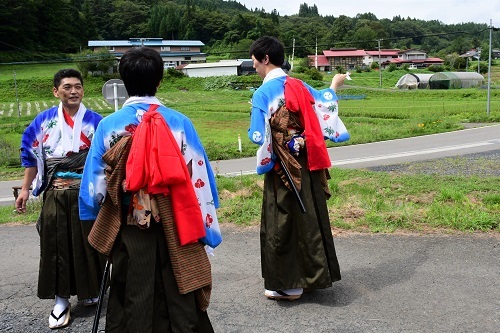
(142, 100)
(274, 73)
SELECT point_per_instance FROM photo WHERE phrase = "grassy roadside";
(371, 201)
(368, 201)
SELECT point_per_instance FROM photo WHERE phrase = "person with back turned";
(149, 185)
(290, 121)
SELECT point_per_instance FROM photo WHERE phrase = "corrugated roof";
(345, 53)
(322, 60)
(383, 52)
(228, 63)
(145, 41)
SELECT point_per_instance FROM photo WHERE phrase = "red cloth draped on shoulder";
(155, 162)
(299, 99)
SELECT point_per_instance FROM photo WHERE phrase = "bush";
(299, 69)
(436, 68)
(9, 155)
(173, 73)
(340, 69)
(217, 82)
(392, 67)
(314, 74)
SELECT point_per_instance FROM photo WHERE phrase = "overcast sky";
(446, 11)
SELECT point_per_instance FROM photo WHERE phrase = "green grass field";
(362, 200)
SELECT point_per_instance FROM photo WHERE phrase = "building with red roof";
(350, 59)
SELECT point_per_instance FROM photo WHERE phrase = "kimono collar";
(142, 100)
(70, 137)
(273, 74)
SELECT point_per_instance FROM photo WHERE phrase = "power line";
(340, 43)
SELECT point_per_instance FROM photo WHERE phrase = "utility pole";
(293, 53)
(316, 56)
(379, 65)
(489, 73)
(478, 59)
(17, 97)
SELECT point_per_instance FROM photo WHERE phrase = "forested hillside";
(39, 30)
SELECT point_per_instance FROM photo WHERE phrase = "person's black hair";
(141, 69)
(270, 46)
(65, 73)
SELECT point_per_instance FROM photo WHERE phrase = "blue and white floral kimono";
(270, 97)
(123, 123)
(49, 136)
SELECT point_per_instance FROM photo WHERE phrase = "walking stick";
(101, 297)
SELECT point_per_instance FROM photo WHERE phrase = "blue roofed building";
(174, 52)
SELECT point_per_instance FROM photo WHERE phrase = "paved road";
(468, 141)
(390, 283)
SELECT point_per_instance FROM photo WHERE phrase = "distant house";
(349, 59)
(345, 58)
(380, 57)
(419, 63)
(173, 52)
(412, 54)
(221, 68)
(320, 62)
(416, 58)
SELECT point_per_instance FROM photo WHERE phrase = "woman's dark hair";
(269, 46)
(141, 69)
(65, 73)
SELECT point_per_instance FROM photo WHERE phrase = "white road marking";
(414, 153)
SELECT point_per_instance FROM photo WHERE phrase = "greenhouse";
(455, 80)
(413, 81)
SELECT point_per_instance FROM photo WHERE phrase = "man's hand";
(21, 200)
(338, 80)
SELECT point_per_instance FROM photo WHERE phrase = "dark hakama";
(68, 264)
(144, 296)
(297, 249)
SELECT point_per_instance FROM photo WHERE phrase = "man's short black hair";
(65, 73)
(269, 46)
(141, 69)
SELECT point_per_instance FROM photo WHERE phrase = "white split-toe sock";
(61, 305)
(289, 294)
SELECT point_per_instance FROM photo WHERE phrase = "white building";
(221, 68)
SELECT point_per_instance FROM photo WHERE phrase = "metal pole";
(316, 56)
(379, 65)
(17, 97)
(489, 73)
(115, 95)
(478, 59)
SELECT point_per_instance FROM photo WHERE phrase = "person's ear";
(55, 92)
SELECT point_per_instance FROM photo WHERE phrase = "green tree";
(98, 62)
(18, 34)
(365, 38)
(339, 32)
(129, 19)
(308, 11)
(61, 26)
